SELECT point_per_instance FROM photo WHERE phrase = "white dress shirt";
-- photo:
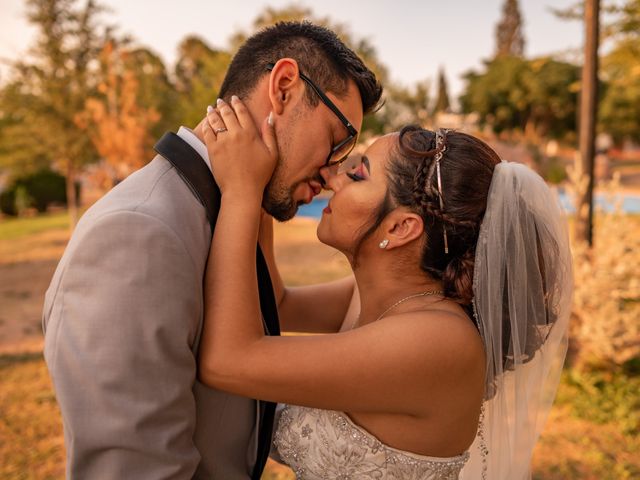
(188, 136)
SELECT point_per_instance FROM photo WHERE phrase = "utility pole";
(588, 116)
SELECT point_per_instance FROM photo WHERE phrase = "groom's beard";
(278, 197)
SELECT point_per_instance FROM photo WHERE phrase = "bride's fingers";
(269, 135)
(228, 116)
(208, 130)
(215, 121)
(244, 118)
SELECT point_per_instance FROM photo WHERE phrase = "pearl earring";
(383, 244)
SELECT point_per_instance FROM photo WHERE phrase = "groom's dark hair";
(320, 54)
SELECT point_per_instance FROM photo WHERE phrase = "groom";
(123, 314)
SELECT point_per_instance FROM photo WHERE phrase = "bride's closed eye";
(354, 168)
(356, 177)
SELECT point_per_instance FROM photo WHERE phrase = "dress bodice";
(325, 444)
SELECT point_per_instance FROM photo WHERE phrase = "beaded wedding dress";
(325, 444)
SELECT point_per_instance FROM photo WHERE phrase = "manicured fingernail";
(209, 109)
(234, 98)
(270, 119)
(219, 102)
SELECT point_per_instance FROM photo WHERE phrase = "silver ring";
(220, 130)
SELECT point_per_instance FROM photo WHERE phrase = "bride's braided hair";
(466, 169)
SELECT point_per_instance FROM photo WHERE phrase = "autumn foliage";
(117, 125)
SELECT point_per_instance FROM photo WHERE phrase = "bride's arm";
(373, 368)
(319, 308)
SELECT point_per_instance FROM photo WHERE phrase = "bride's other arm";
(319, 308)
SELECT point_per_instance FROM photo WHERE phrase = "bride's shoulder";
(446, 329)
(445, 317)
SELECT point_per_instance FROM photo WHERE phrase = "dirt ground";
(26, 267)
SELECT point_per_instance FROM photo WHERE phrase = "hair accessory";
(441, 147)
(383, 244)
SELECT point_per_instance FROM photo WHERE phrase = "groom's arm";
(119, 351)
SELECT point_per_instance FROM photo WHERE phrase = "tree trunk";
(530, 131)
(588, 115)
(72, 199)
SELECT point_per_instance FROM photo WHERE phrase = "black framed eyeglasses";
(341, 151)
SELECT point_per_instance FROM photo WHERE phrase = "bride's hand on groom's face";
(242, 158)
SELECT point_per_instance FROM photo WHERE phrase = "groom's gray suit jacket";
(123, 317)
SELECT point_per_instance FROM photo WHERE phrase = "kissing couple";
(437, 358)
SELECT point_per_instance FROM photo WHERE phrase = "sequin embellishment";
(324, 444)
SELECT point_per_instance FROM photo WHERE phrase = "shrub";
(39, 190)
(604, 397)
(606, 307)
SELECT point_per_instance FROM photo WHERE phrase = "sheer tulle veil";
(522, 288)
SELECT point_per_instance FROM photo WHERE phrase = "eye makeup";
(354, 168)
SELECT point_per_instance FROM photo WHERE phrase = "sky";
(413, 38)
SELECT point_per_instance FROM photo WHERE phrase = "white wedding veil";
(522, 289)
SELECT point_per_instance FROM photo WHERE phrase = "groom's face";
(306, 135)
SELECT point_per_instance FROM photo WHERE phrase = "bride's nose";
(333, 181)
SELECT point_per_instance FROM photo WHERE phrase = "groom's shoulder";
(156, 191)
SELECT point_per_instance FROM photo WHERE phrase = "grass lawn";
(15, 228)
(593, 431)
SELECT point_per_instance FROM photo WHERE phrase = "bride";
(440, 356)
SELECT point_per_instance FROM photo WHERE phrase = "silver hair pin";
(441, 147)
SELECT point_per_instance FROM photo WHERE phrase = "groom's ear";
(284, 84)
(402, 227)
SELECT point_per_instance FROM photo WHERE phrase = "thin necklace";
(409, 297)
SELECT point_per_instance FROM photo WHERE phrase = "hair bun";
(457, 278)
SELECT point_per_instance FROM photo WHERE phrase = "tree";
(442, 100)
(155, 89)
(49, 88)
(404, 106)
(537, 97)
(588, 118)
(19, 154)
(509, 35)
(620, 105)
(117, 125)
(553, 96)
(500, 95)
(199, 73)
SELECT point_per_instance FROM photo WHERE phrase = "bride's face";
(359, 187)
